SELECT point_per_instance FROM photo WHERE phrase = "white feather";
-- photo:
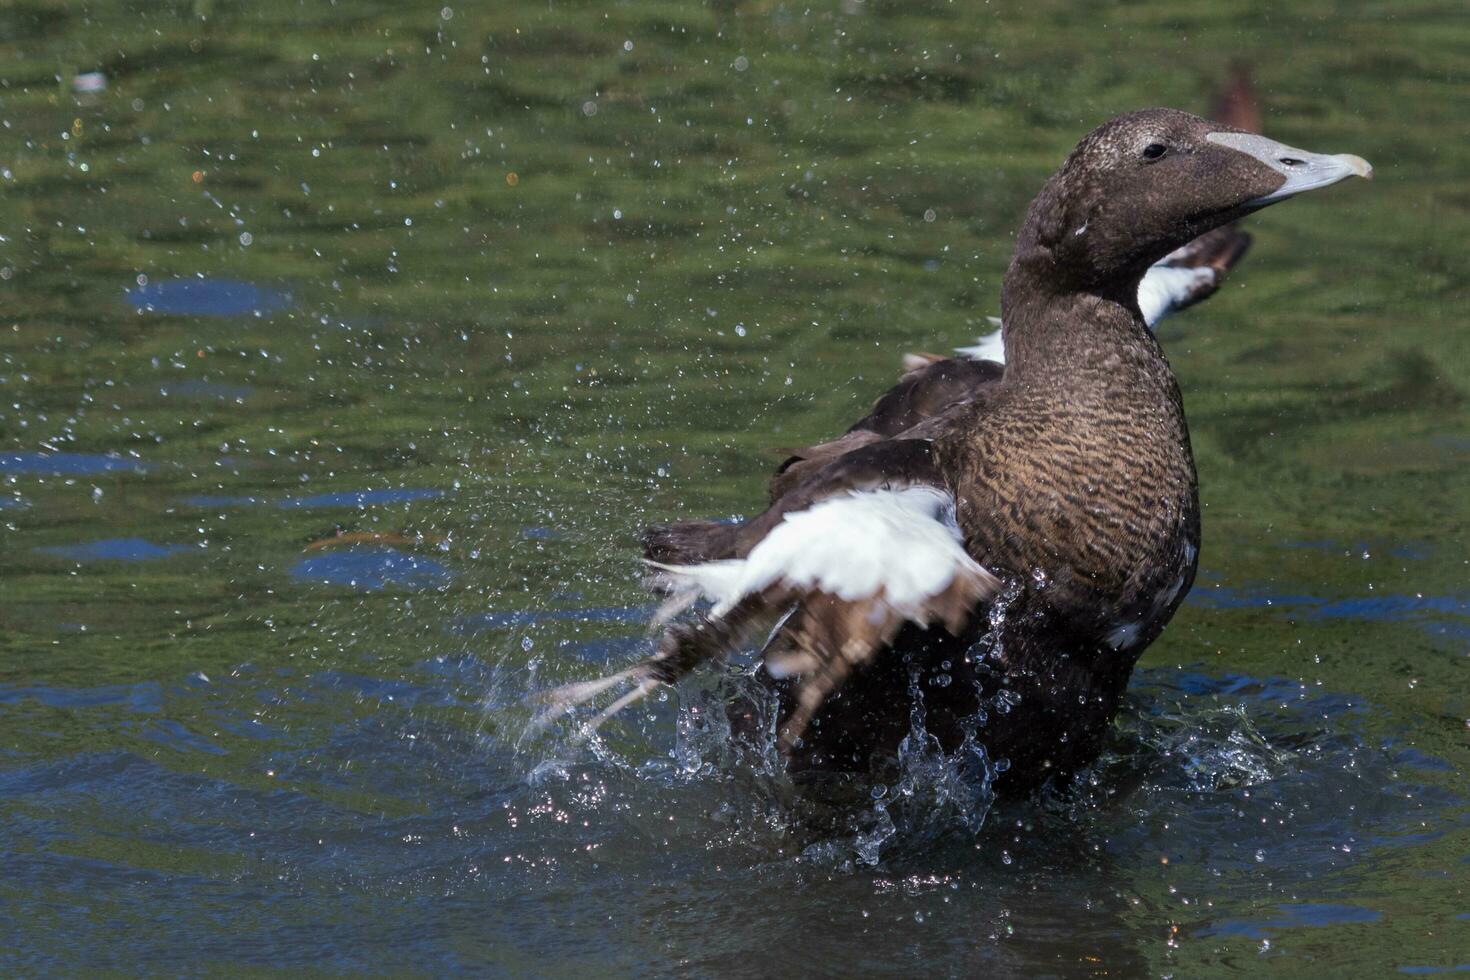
(1124, 635)
(990, 347)
(1164, 287)
(901, 542)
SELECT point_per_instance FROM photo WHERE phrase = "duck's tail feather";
(681, 648)
(918, 361)
(688, 542)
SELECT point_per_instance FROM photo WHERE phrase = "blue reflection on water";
(1411, 550)
(1227, 597)
(145, 696)
(207, 297)
(117, 549)
(361, 498)
(69, 464)
(346, 498)
(1441, 615)
(1416, 970)
(1267, 690)
(372, 568)
(1305, 914)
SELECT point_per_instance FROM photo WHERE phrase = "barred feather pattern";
(839, 580)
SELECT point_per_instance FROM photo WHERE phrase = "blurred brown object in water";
(1236, 105)
(343, 538)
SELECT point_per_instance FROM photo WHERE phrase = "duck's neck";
(1063, 333)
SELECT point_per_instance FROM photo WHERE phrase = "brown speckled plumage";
(1073, 472)
(1070, 472)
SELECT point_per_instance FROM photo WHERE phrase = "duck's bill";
(1303, 171)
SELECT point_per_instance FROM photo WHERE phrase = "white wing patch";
(991, 347)
(1165, 287)
(898, 545)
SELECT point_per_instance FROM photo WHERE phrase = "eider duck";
(993, 569)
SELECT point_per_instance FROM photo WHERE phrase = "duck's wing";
(925, 392)
(1191, 273)
(835, 568)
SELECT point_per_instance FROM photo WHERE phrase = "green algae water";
(345, 347)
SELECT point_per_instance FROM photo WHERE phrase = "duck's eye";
(1154, 150)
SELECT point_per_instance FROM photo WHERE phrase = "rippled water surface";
(344, 349)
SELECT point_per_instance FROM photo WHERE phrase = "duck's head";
(1146, 182)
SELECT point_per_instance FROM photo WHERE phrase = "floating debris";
(89, 83)
(342, 538)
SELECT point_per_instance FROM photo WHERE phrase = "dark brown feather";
(687, 542)
(926, 392)
(1218, 250)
